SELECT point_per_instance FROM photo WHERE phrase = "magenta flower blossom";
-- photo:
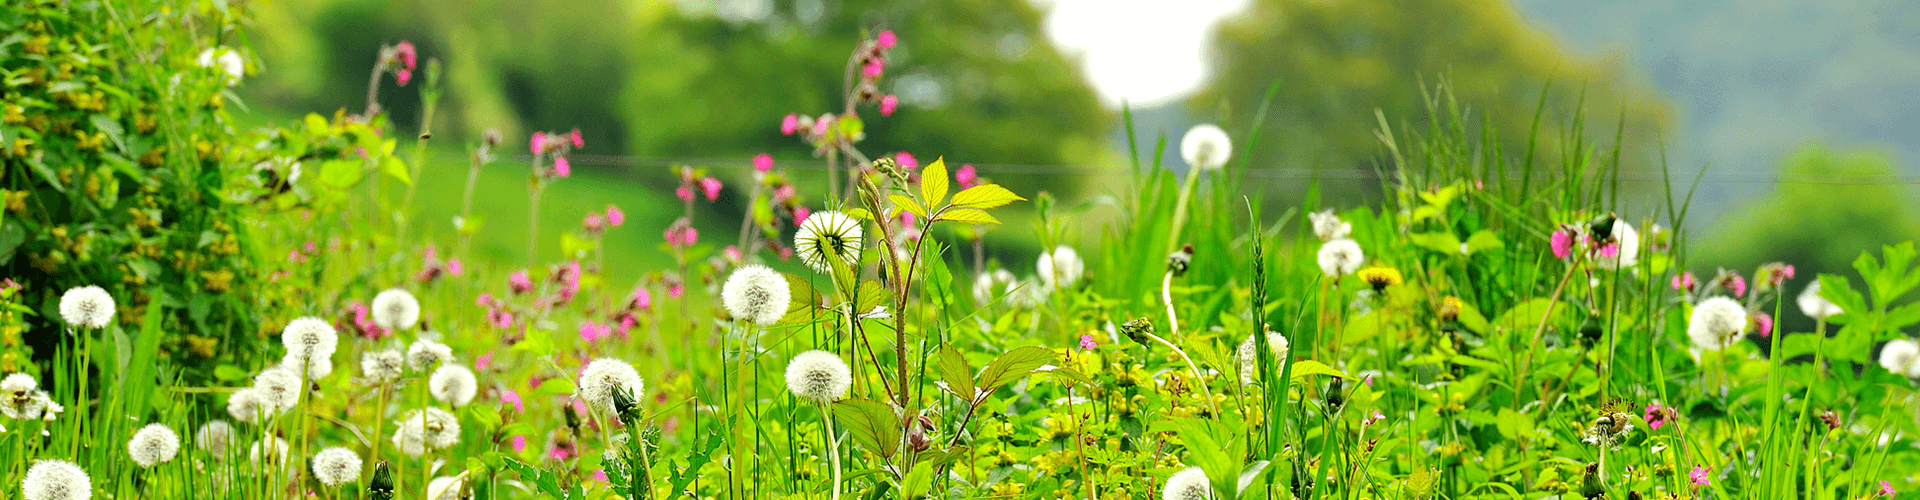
(682, 236)
(561, 451)
(874, 68)
(711, 186)
(1699, 476)
(1562, 244)
(484, 300)
(1737, 285)
(409, 57)
(640, 299)
(1656, 416)
(732, 253)
(784, 192)
(675, 289)
(402, 77)
(537, 143)
(1685, 281)
(594, 222)
(627, 322)
(824, 123)
(499, 318)
(1763, 324)
(569, 280)
(790, 124)
(519, 282)
(906, 160)
(763, 162)
(800, 215)
(967, 177)
(519, 443)
(886, 40)
(615, 217)
(1086, 342)
(483, 362)
(593, 331)
(684, 193)
(600, 475)
(888, 104)
(561, 167)
(577, 142)
(1887, 489)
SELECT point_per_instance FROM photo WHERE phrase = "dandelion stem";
(833, 447)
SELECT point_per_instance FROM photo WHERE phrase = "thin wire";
(1257, 173)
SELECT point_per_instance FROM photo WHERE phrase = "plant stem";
(833, 447)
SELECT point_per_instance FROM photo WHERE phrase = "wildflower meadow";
(198, 307)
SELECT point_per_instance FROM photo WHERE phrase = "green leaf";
(1012, 365)
(985, 196)
(228, 372)
(872, 294)
(341, 174)
(1527, 316)
(953, 370)
(1305, 367)
(860, 213)
(555, 387)
(316, 124)
(904, 203)
(969, 216)
(1482, 240)
(933, 182)
(112, 128)
(395, 168)
(871, 423)
(1442, 242)
(1514, 425)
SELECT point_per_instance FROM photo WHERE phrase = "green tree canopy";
(1828, 207)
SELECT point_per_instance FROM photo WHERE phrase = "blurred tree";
(1338, 61)
(1828, 207)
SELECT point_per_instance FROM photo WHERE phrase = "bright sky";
(1144, 51)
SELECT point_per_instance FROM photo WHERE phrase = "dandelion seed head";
(153, 445)
(424, 354)
(270, 452)
(56, 480)
(989, 285)
(395, 309)
(819, 376)
(1815, 306)
(1902, 357)
(1206, 147)
(87, 306)
(1328, 226)
(1340, 257)
(214, 437)
(1188, 484)
(309, 337)
(756, 293)
(279, 388)
(316, 367)
(336, 466)
(20, 397)
(453, 384)
(383, 366)
(446, 487)
(426, 429)
(1059, 268)
(1627, 242)
(247, 405)
(602, 377)
(825, 231)
(1250, 362)
(1717, 323)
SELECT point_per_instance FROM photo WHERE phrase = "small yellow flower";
(1450, 308)
(1380, 277)
(203, 346)
(218, 281)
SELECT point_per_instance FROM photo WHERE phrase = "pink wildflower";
(483, 362)
(560, 452)
(1685, 281)
(454, 267)
(519, 282)
(615, 217)
(561, 167)
(763, 162)
(1086, 342)
(784, 192)
(600, 475)
(732, 253)
(789, 124)
(409, 57)
(519, 444)
(1656, 416)
(1737, 285)
(500, 318)
(906, 160)
(537, 143)
(886, 40)
(888, 104)
(594, 222)
(1887, 489)
(592, 331)
(711, 187)
(577, 142)
(1699, 476)
(967, 176)
(675, 289)
(1763, 324)
(684, 193)
(874, 68)
(402, 77)
(1562, 244)
(640, 299)
(800, 215)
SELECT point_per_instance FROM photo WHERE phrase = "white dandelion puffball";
(56, 480)
(1250, 363)
(1059, 268)
(384, 367)
(279, 388)
(20, 397)
(226, 60)
(336, 466)
(1188, 484)
(426, 429)
(249, 406)
(395, 309)
(818, 376)
(1628, 250)
(1328, 226)
(602, 377)
(453, 384)
(309, 337)
(271, 451)
(153, 445)
(756, 293)
(313, 367)
(424, 354)
(988, 286)
(89, 306)
(214, 437)
(1717, 323)
(18, 384)
(446, 487)
(1815, 306)
(828, 230)
(1206, 147)
(1902, 357)
(1341, 257)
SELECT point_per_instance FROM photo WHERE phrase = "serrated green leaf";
(985, 196)
(933, 183)
(871, 423)
(953, 370)
(1306, 367)
(555, 387)
(1012, 365)
(902, 202)
(394, 167)
(341, 174)
(968, 216)
(860, 213)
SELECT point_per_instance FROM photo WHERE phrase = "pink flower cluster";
(558, 146)
(681, 234)
(599, 221)
(1566, 239)
(403, 59)
(821, 131)
(431, 268)
(967, 177)
(691, 179)
(498, 313)
(360, 323)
